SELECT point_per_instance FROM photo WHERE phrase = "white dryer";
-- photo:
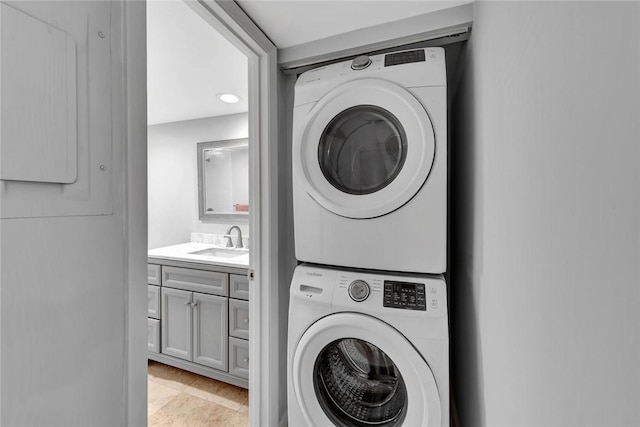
(367, 349)
(370, 163)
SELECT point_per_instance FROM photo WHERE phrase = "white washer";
(370, 163)
(367, 349)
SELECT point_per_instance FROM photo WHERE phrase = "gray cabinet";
(153, 308)
(176, 324)
(153, 301)
(153, 335)
(153, 274)
(239, 319)
(194, 327)
(239, 335)
(239, 357)
(239, 286)
(239, 325)
(209, 282)
(199, 319)
(210, 331)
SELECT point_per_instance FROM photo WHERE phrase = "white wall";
(545, 217)
(173, 176)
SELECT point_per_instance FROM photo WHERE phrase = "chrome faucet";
(228, 237)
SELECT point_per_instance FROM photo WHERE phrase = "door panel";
(153, 301)
(238, 286)
(239, 319)
(239, 357)
(209, 282)
(210, 315)
(153, 335)
(176, 323)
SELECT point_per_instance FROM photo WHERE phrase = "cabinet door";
(153, 335)
(176, 323)
(210, 330)
(153, 301)
(153, 274)
(238, 286)
(239, 357)
(239, 319)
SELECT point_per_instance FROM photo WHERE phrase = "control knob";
(360, 62)
(359, 290)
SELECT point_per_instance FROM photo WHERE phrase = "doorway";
(199, 214)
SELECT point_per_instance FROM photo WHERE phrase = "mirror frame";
(207, 216)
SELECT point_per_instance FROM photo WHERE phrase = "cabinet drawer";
(206, 282)
(239, 319)
(238, 286)
(153, 274)
(239, 357)
(153, 301)
(153, 335)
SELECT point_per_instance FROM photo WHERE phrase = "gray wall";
(173, 176)
(64, 272)
(545, 217)
(287, 260)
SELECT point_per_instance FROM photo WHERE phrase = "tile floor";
(179, 398)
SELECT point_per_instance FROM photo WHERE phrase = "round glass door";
(359, 385)
(362, 149)
(353, 370)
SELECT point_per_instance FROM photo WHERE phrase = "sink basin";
(221, 252)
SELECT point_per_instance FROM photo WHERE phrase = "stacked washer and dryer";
(368, 341)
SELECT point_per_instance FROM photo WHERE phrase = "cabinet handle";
(188, 303)
(246, 320)
(245, 360)
(195, 304)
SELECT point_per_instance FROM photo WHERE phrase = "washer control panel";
(378, 293)
(359, 290)
(405, 295)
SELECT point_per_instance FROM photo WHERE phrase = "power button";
(359, 290)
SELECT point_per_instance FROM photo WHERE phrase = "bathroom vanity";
(198, 310)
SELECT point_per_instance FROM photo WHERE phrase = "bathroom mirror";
(223, 180)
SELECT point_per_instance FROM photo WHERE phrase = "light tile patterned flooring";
(179, 398)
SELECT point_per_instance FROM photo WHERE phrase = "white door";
(354, 370)
(365, 149)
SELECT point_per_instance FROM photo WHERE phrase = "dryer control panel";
(406, 57)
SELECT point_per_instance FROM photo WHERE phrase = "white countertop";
(183, 251)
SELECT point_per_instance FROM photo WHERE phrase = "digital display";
(404, 57)
(404, 295)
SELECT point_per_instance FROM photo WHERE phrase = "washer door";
(352, 370)
(365, 149)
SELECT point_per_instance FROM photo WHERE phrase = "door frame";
(265, 407)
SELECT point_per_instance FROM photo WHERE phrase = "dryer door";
(365, 149)
(352, 370)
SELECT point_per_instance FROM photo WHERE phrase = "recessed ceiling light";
(229, 98)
